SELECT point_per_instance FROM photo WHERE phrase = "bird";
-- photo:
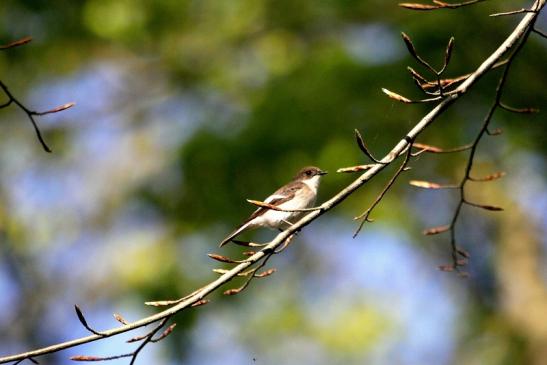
(299, 193)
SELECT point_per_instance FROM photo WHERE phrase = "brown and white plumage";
(300, 193)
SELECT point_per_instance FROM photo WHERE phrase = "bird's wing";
(282, 195)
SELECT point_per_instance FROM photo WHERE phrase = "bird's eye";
(308, 172)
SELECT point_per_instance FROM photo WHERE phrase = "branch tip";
(396, 96)
(120, 319)
(436, 230)
(16, 43)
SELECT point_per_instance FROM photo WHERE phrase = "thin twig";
(434, 149)
(31, 113)
(539, 32)
(518, 110)
(363, 147)
(439, 5)
(456, 262)
(364, 217)
(520, 11)
(16, 43)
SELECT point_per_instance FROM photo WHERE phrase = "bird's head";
(310, 175)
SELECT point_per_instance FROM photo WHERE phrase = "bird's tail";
(234, 234)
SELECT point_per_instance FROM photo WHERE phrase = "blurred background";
(186, 108)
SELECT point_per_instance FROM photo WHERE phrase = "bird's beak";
(322, 172)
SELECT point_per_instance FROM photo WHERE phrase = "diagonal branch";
(457, 261)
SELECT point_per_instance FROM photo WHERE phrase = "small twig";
(434, 149)
(494, 132)
(414, 53)
(165, 333)
(120, 319)
(449, 82)
(357, 168)
(456, 251)
(248, 281)
(494, 208)
(163, 303)
(225, 259)
(447, 55)
(285, 244)
(490, 177)
(365, 215)
(439, 5)
(27, 358)
(518, 110)
(31, 113)
(539, 32)
(147, 340)
(363, 147)
(99, 358)
(16, 43)
(436, 230)
(248, 244)
(520, 11)
(83, 321)
(403, 99)
(419, 80)
(431, 185)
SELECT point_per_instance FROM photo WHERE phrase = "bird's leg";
(290, 225)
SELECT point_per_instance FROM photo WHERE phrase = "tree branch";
(30, 113)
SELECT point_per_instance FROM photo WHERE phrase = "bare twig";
(146, 338)
(518, 110)
(456, 251)
(355, 168)
(30, 113)
(514, 12)
(434, 149)
(539, 32)
(363, 147)
(439, 5)
(16, 43)
(364, 217)
(431, 185)
(83, 321)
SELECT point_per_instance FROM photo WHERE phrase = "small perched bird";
(300, 193)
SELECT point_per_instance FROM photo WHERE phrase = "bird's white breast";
(313, 183)
(304, 198)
